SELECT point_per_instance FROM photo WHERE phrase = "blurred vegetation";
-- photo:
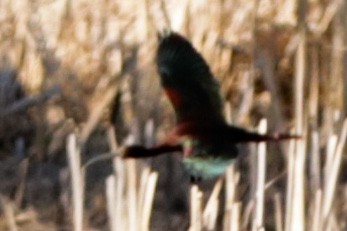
(82, 66)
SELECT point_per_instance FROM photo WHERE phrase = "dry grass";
(64, 62)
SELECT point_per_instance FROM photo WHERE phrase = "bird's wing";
(187, 81)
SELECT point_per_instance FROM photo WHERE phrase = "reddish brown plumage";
(174, 97)
(201, 132)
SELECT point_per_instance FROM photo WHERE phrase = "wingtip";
(170, 37)
(164, 34)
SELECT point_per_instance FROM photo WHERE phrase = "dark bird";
(202, 134)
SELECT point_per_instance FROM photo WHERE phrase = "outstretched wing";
(187, 81)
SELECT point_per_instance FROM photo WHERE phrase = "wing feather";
(187, 81)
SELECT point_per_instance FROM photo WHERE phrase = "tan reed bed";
(129, 194)
(283, 60)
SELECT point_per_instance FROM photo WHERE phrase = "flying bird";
(208, 143)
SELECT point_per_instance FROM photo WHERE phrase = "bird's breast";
(206, 167)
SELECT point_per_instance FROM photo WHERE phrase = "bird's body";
(201, 133)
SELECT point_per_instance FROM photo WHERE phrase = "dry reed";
(283, 60)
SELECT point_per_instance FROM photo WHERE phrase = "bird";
(202, 135)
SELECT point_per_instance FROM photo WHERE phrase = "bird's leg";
(241, 135)
(195, 179)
